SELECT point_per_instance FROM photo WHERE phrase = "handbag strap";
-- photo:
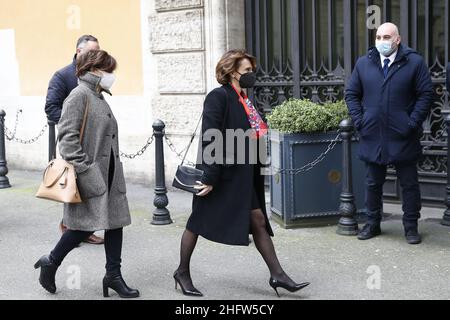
(198, 124)
(83, 125)
(52, 183)
(192, 138)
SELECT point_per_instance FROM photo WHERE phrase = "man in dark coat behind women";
(389, 96)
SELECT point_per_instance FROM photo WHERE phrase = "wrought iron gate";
(307, 49)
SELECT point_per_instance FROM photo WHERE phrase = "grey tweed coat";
(105, 205)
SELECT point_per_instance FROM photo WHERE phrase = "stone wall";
(188, 37)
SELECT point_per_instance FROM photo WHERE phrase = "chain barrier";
(309, 166)
(29, 141)
(141, 151)
(180, 154)
(11, 135)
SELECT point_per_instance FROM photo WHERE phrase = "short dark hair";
(95, 59)
(230, 62)
(85, 38)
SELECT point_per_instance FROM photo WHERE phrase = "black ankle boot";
(275, 284)
(116, 282)
(48, 271)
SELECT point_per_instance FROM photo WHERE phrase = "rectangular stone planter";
(311, 198)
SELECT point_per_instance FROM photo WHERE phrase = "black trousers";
(409, 181)
(72, 238)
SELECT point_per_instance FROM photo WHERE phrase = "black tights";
(263, 243)
(71, 239)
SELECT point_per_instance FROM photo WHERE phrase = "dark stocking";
(188, 242)
(264, 244)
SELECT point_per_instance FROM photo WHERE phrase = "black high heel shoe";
(275, 284)
(187, 292)
(48, 272)
(117, 283)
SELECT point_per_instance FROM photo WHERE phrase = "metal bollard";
(446, 219)
(161, 216)
(4, 182)
(51, 140)
(348, 226)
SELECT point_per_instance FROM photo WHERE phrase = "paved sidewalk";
(335, 265)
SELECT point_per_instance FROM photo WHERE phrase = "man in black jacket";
(60, 86)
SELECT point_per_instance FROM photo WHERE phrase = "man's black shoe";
(369, 231)
(413, 236)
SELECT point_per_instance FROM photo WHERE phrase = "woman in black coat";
(230, 204)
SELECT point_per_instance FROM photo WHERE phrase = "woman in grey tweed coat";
(100, 178)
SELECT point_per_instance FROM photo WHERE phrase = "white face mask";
(107, 80)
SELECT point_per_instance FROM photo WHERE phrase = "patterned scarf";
(254, 118)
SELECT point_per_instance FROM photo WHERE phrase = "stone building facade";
(166, 49)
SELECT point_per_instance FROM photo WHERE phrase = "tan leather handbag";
(59, 182)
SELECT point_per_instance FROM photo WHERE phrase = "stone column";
(177, 33)
(225, 30)
(235, 23)
(215, 37)
(187, 38)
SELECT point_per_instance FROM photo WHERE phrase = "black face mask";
(247, 80)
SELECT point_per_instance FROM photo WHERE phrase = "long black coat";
(224, 214)
(389, 112)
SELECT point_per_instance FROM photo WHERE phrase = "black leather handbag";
(186, 177)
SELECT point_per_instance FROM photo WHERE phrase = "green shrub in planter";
(305, 116)
(300, 131)
(339, 112)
